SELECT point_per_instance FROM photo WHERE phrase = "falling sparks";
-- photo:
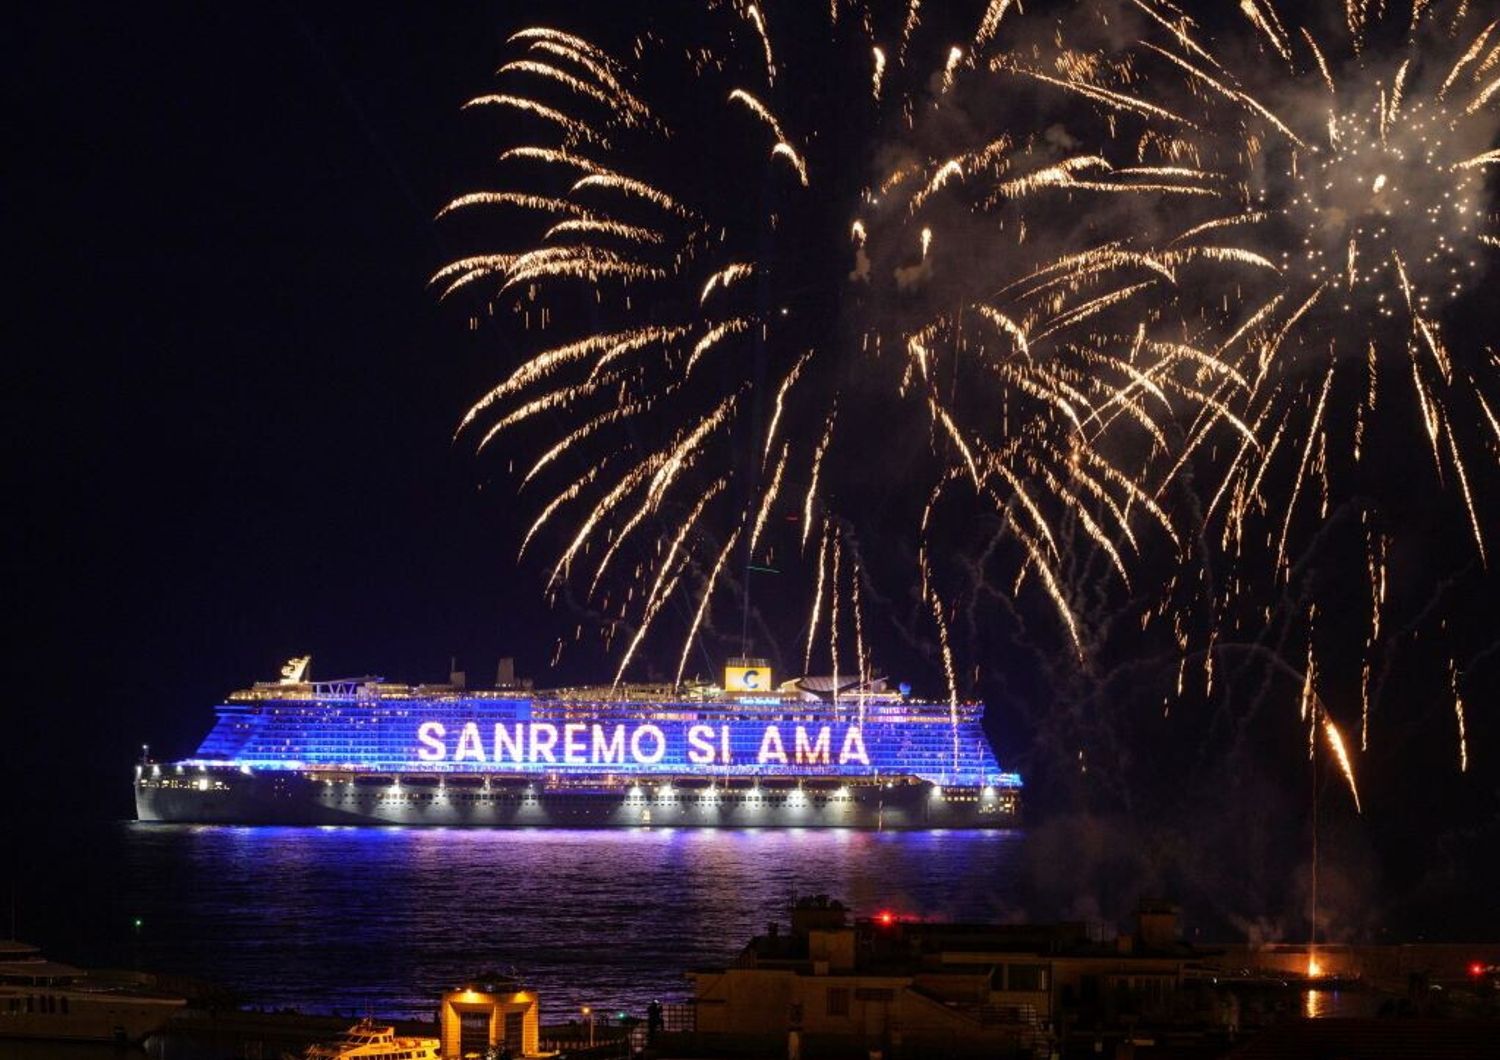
(950, 68)
(787, 151)
(1341, 755)
(1458, 713)
(726, 276)
(990, 22)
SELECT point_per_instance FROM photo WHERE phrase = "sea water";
(382, 920)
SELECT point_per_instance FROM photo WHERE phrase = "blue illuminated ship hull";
(303, 799)
(367, 753)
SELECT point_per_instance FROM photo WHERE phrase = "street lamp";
(588, 1015)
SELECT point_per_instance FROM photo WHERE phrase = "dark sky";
(229, 395)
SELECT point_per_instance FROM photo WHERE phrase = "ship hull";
(300, 799)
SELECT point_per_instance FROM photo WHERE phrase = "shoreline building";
(491, 1016)
(908, 988)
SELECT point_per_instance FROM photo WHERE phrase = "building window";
(838, 1001)
(1026, 977)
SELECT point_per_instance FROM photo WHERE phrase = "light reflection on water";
(380, 920)
(1347, 1003)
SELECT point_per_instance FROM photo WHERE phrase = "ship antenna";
(745, 617)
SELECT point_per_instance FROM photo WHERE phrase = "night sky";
(231, 394)
(230, 398)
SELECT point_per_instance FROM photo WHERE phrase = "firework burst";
(775, 308)
(707, 348)
(1316, 194)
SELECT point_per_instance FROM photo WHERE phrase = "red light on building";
(1476, 969)
(885, 917)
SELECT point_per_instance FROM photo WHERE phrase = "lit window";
(1026, 976)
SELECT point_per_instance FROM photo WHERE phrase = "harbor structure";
(490, 1016)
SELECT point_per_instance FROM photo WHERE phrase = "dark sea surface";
(381, 920)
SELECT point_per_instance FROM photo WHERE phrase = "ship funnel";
(748, 675)
(506, 679)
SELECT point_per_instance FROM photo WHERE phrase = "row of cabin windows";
(837, 1000)
(1030, 977)
(34, 1003)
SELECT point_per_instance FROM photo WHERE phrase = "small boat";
(40, 998)
(368, 1040)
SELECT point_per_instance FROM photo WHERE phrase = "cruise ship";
(812, 752)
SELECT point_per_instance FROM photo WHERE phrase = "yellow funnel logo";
(747, 678)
